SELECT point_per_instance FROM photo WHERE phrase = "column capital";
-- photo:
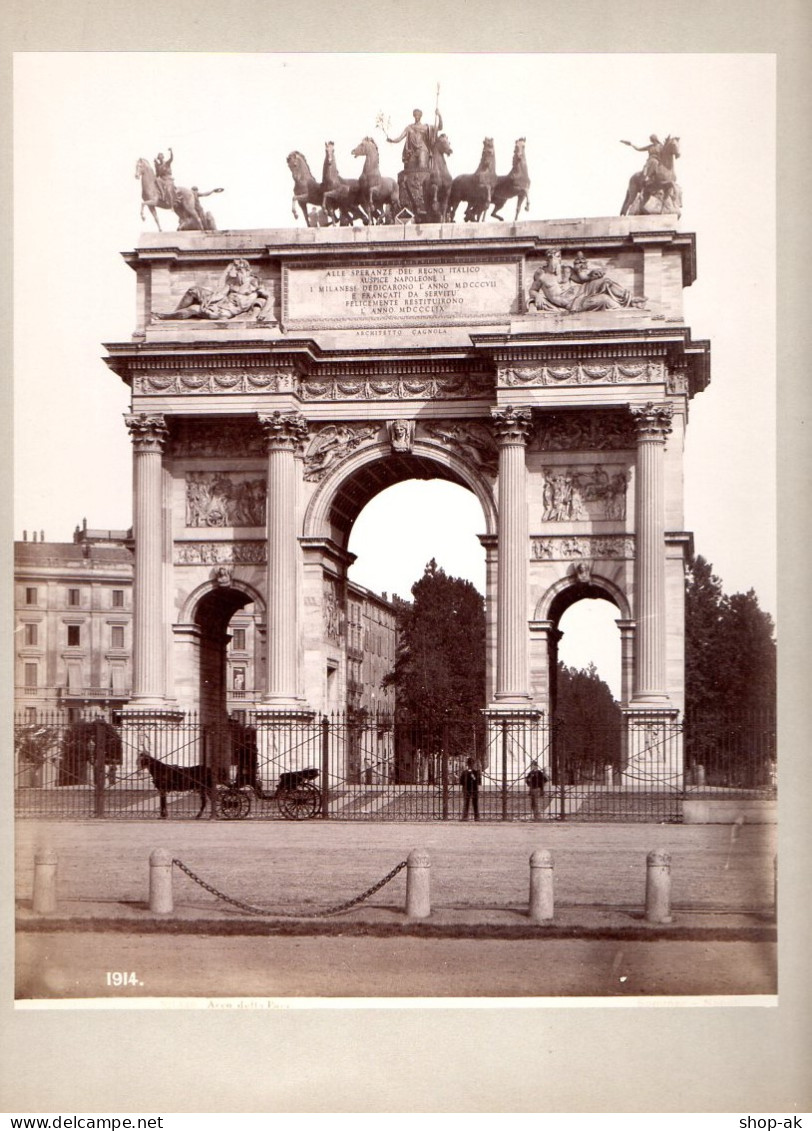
(512, 425)
(653, 421)
(284, 431)
(148, 431)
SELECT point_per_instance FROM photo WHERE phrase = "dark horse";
(516, 183)
(476, 189)
(178, 779)
(662, 182)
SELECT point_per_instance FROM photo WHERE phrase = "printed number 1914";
(119, 978)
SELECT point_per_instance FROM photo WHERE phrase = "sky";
(83, 119)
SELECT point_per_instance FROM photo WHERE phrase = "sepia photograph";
(395, 450)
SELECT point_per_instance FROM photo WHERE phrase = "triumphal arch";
(280, 379)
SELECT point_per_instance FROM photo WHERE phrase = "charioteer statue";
(420, 142)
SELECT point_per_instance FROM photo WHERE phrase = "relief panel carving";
(218, 498)
(218, 439)
(574, 494)
(473, 441)
(220, 553)
(589, 547)
(333, 443)
(583, 431)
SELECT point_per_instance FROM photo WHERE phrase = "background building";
(73, 634)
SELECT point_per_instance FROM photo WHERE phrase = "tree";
(587, 725)
(730, 682)
(730, 651)
(440, 664)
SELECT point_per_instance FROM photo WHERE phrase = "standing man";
(536, 781)
(470, 780)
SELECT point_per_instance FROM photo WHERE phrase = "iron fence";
(355, 767)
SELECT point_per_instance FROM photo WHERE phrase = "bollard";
(418, 896)
(658, 887)
(44, 901)
(541, 886)
(160, 881)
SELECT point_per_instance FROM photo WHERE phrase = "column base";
(652, 749)
(161, 732)
(516, 736)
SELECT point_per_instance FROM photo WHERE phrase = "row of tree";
(730, 671)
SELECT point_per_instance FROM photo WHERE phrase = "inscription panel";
(384, 293)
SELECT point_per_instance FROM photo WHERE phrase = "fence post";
(325, 767)
(541, 886)
(444, 770)
(504, 768)
(45, 863)
(658, 886)
(100, 738)
(418, 892)
(160, 881)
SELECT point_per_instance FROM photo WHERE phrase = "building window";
(31, 675)
(31, 596)
(118, 598)
(117, 636)
(238, 640)
(74, 597)
(74, 635)
(30, 635)
(31, 714)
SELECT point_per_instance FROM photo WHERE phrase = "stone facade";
(418, 351)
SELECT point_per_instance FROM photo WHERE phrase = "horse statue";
(342, 197)
(306, 189)
(438, 185)
(516, 183)
(476, 189)
(658, 180)
(379, 195)
(163, 193)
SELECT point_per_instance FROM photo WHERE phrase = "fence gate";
(355, 767)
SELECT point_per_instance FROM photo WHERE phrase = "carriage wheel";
(234, 805)
(301, 803)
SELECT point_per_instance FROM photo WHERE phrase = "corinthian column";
(512, 427)
(653, 425)
(284, 433)
(148, 433)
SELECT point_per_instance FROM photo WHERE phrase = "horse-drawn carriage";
(296, 794)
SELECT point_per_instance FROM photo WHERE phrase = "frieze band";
(563, 547)
(220, 553)
(614, 373)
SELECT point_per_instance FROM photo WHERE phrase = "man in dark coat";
(470, 780)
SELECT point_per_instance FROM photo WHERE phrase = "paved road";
(64, 965)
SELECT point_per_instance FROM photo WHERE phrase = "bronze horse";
(516, 183)
(342, 196)
(476, 189)
(642, 188)
(379, 195)
(185, 203)
(306, 189)
(438, 188)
